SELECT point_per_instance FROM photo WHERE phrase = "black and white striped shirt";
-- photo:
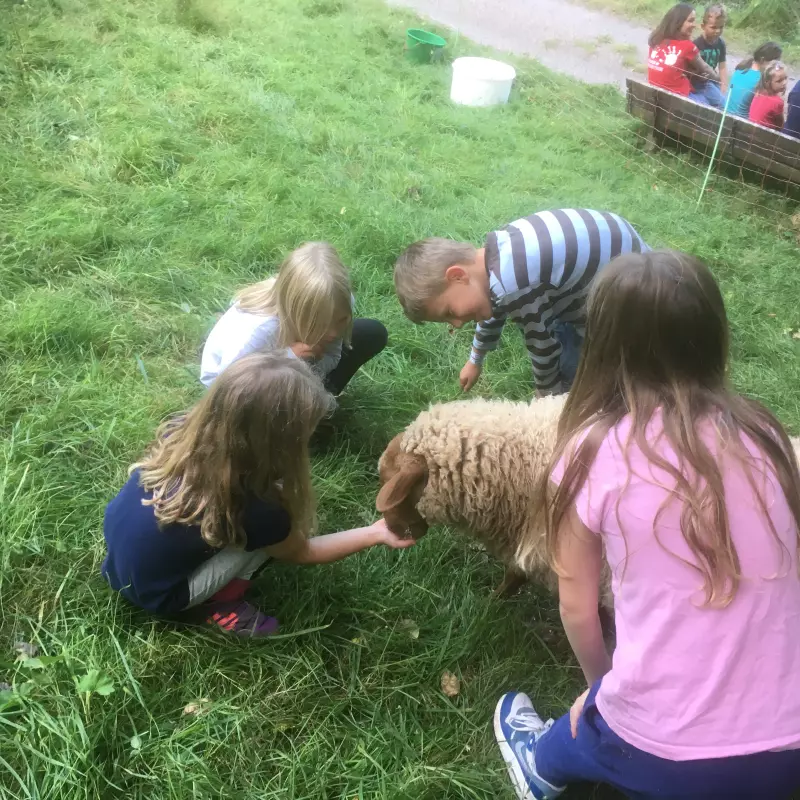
(540, 269)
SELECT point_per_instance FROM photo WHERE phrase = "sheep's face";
(403, 478)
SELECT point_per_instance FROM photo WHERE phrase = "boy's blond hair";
(419, 274)
(714, 11)
(311, 291)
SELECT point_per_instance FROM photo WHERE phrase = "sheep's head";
(403, 478)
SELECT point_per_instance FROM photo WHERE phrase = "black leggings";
(369, 337)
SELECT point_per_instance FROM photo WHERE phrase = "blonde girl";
(305, 312)
(691, 493)
(221, 490)
(768, 107)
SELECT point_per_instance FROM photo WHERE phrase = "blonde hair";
(767, 74)
(419, 274)
(715, 11)
(249, 432)
(309, 295)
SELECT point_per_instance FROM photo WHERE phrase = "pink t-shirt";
(687, 681)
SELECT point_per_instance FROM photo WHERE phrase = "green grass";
(751, 22)
(154, 157)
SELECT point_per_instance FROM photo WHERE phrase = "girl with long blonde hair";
(691, 494)
(221, 490)
(305, 312)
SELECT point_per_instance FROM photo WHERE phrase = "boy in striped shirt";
(535, 271)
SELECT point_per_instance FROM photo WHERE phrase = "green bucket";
(423, 47)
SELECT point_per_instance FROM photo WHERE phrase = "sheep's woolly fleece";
(484, 458)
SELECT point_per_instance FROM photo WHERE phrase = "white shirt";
(238, 333)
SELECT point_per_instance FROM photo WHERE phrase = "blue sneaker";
(517, 728)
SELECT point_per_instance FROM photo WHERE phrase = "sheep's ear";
(399, 487)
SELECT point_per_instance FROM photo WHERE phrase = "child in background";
(306, 312)
(692, 493)
(746, 76)
(713, 51)
(673, 55)
(535, 271)
(767, 108)
(222, 490)
(792, 127)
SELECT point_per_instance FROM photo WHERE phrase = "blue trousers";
(598, 755)
(709, 94)
(699, 97)
(571, 342)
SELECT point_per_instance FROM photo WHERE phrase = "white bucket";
(481, 81)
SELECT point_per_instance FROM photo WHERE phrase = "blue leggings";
(598, 755)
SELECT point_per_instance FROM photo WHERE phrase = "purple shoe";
(239, 617)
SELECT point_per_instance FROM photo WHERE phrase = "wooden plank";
(763, 150)
(770, 151)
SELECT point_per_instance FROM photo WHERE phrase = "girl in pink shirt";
(692, 494)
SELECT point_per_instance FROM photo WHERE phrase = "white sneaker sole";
(515, 773)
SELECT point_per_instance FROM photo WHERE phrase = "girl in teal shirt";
(746, 76)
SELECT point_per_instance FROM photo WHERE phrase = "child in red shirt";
(673, 55)
(767, 106)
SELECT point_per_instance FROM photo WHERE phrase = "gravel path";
(594, 46)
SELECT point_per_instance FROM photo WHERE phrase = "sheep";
(475, 465)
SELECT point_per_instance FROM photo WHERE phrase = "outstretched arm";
(487, 337)
(331, 547)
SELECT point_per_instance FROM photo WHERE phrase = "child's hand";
(469, 375)
(307, 351)
(384, 536)
(575, 713)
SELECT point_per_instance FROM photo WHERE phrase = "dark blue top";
(713, 54)
(792, 126)
(150, 566)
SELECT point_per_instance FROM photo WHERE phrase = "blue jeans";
(598, 755)
(699, 97)
(711, 94)
(571, 342)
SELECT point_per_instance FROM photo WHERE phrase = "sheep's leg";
(511, 583)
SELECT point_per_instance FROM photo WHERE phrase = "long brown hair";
(769, 51)
(671, 24)
(657, 343)
(247, 434)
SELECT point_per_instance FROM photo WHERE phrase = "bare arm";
(723, 77)
(700, 68)
(580, 557)
(297, 549)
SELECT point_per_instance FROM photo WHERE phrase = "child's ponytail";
(769, 51)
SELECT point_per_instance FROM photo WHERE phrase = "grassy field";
(751, 22)
(156, 155)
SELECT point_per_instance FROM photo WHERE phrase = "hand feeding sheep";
(475, 465)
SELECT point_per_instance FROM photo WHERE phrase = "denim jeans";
(571, 342)
(699, 98)
(709, 94)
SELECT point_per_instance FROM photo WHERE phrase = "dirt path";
(594, 46)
